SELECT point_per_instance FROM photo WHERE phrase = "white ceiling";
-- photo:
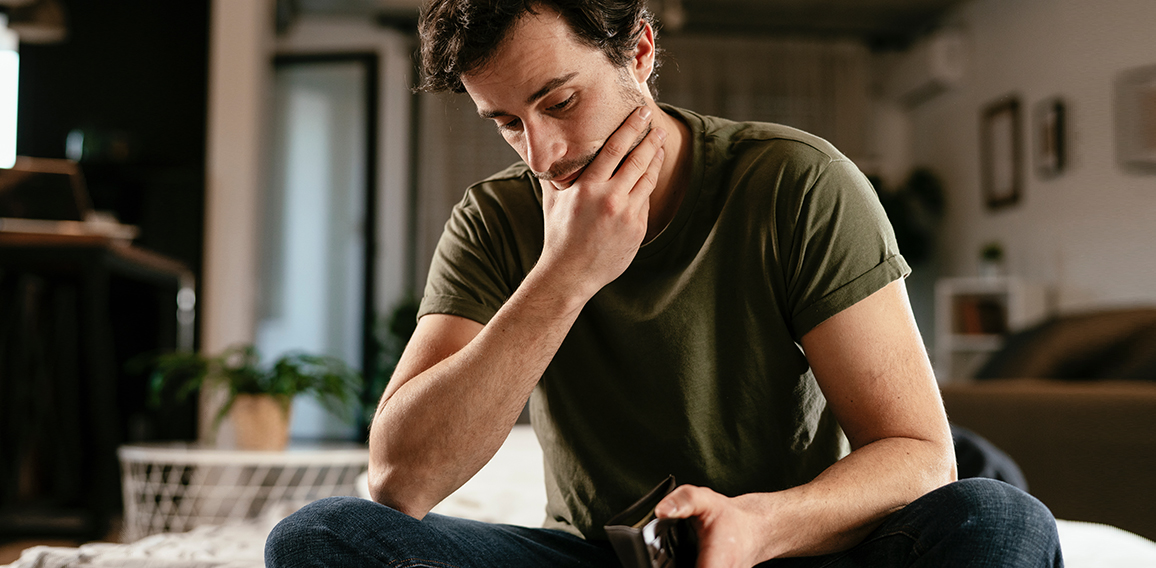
(877, 20)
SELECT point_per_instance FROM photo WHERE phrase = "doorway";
(318, 221)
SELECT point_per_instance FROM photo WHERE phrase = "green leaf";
(329, 379)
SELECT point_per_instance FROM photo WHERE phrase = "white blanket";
(508, 490)
(226, 546)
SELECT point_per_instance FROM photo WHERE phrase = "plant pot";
(991, 268)
(261, 422)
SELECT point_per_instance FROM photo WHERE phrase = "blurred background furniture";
(1106, 344)
(73, 309)
(973, 315)
(1073, 401)
(176, 487)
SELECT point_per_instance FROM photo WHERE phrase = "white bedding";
(223, 546)
(509, 490)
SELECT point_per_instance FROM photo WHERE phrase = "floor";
(10, 551)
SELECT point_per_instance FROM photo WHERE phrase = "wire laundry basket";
(174, 487)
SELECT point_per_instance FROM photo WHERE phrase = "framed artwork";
(1136, 119)
(1000, 160)
(1049, 137)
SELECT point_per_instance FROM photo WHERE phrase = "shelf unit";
(973, 315)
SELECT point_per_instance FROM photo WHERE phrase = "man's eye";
(512, 124)
(562, 104)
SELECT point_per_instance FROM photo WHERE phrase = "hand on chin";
(567, 181)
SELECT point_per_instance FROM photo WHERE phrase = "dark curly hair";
(460, 36)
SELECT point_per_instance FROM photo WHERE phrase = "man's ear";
(643, 64)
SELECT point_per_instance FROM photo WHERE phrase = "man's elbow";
(387, 486)
(942, 468)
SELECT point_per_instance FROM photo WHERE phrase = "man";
(674, 294)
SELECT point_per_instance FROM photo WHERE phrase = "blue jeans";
(974, 522)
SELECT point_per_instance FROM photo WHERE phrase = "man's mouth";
(567, 181)
(574, 166)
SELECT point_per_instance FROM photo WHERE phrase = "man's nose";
(544, 146)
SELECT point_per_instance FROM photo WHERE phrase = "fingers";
(722, 542)
(684, 502)
(643, 156)
(620, 145)
(649, 179)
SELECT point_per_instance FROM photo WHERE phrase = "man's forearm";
(832, 513)
(443, 424)
(847, 501)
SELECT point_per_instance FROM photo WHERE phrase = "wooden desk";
(67, 306)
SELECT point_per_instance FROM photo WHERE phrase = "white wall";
(240, 44)
(1089, 233)
(240, 74)
(240, 47)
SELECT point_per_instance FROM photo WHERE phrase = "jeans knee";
(989, 515)
(303, 538)
(992, 504)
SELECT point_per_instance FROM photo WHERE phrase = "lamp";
(9, 81)
(30, 21)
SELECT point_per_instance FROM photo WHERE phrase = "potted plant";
(392, 335)
(258, 399)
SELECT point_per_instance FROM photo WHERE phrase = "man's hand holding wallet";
(641, 540)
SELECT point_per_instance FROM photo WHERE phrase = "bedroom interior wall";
(317, 34)
(241, 38)
(1087, 233)
(455, 149)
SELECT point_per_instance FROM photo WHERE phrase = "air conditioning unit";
(931, 66)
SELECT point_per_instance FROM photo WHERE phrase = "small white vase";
(991, 268)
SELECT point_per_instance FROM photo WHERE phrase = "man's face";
(554, 100)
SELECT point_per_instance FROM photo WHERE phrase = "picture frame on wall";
(1136, 119)
(1049, 137)
(1000, 154)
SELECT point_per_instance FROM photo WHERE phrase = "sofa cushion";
(1115, 344)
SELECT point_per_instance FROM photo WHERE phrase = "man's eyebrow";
(545, 90)
(550, 86)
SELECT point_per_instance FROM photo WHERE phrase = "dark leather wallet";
(642, 540)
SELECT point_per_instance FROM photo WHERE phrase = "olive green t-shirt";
(689, 363)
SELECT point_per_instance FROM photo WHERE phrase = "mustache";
(565, 168)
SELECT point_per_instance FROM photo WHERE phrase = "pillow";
(1118, 344)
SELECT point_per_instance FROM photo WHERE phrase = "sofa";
(1073, 402)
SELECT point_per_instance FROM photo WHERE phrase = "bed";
(509, 489)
